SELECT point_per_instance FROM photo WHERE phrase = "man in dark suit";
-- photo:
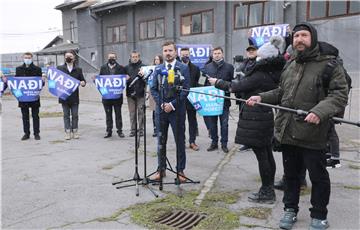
(171, 111)
(71, 104)
(113, 68)
(29, 69)
(190, 110)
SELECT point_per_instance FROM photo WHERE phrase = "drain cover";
(180, 219)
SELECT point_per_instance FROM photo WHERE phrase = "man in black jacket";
(219, 69)
(190, 110)
(136, 93)
(29, 69)
(113, 68)
(71, 104)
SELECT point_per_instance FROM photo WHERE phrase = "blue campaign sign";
(25, 89)
(207, 105)
(1, 87)
(110, 86)
(61, 84)
(262, 34)
(199, 53)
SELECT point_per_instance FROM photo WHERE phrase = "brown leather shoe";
(182, 177)
(194, 147)
(157, 175)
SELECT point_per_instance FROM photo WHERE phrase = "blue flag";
(110, 86)
(262, 34)
(199, 53)
(207, 105)
(2, 84)
(25, 89)
(61, 84)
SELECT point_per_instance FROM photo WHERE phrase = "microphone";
(149, 74)
(171, 77)
(178, 74)
(134, 81)
(164, 74)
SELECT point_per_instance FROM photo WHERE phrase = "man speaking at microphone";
(167, 77)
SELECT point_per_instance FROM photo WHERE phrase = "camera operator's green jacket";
(301, 87)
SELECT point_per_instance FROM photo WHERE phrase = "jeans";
(26, 119)
(315, 161)
(193, 125)
(109, 118)
(267, 165)
(224, 120)
(140, 113)
(71, 123)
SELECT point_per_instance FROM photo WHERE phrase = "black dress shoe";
(37, 137)
(25, 137)
(107, 135)
(212, 147)
(132, 134)
(154, 134)
(121, 134)
(280, 185)
(244, 147)
(224, 149)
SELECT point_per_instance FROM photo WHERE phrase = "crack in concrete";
(210, 182)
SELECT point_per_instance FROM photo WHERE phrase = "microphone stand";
(136, 177)
(296, 111)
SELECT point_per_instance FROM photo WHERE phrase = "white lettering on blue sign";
(68, 83)
(268, 31)
(26, 85)
(114, 82)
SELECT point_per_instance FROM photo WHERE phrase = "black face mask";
(68, 60)
(112, 61)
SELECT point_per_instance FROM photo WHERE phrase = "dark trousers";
(333, 142)
(26, 119)
(193, 125)
(224, 120)
(71, 116)
(315, 162)
(155, 121)
(109, 118)
(167, 119)
(267, 165)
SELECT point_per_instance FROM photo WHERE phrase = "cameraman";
(135, 93)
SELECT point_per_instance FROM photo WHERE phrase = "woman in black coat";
(256, 124)
(71, 104)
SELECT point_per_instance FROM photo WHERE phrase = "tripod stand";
(136, 178)
(163, 137)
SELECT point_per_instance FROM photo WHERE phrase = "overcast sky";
(28, 25)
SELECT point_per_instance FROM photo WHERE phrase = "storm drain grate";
(180, 219)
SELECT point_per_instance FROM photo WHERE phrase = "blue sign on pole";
(199, 53)
(207, 105)
(61, 84)
(110, 86)
(25, 89)
(262, 34)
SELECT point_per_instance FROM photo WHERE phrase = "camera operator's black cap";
(251, 47)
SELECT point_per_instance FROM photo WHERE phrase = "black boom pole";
(296, 111)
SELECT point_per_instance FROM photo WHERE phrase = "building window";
(152, 29)
(197, 23)
(72, 31)
(254, 13)
(326, 9)
(116, 34)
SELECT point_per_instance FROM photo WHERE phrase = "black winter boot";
(266, 195)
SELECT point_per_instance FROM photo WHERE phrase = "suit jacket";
(163, 92)
(77, 73)
(105, 70)
(194, 81)
(30, 71)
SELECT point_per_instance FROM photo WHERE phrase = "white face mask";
(27, 61)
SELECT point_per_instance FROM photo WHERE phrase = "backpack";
(326, 76)
(327, 73)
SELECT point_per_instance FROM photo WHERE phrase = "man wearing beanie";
(303, 139)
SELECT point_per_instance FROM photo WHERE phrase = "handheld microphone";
(164, 74)
(134, 81)
(171, 77)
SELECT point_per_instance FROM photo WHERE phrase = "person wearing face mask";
(219, 69)
(190, 110)
(29, 69)
(71, 104)
(113, 68)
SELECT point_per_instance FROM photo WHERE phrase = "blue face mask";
(27, 61)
